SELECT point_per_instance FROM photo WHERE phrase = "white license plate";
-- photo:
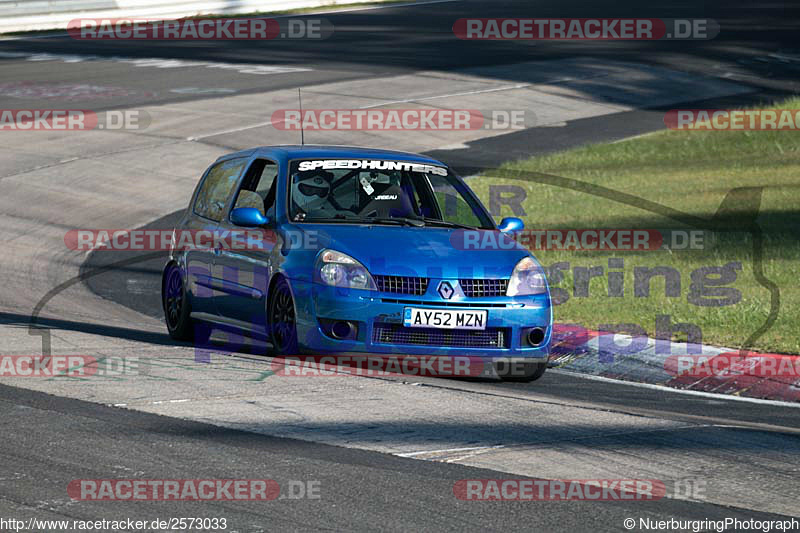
(414, 317)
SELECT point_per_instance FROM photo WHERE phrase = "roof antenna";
(302, 136)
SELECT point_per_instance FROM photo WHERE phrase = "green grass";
(691, 172)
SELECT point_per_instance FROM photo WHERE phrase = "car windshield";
(381, 192)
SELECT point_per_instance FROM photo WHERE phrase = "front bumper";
(378, 312)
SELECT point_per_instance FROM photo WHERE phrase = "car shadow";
(119, 332)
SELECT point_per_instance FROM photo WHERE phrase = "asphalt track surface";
(399, 39)
(50, 440)
(363, 490)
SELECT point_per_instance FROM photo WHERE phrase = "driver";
(310, 193)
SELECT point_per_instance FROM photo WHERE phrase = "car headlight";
(526, 279)
(340, 270)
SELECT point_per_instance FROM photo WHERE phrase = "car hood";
(424, 252)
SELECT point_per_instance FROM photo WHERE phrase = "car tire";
(282, 319)
(177, 310)
(520, 372)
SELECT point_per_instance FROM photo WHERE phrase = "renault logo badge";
(445, 290)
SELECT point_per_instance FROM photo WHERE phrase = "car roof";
(310, 151)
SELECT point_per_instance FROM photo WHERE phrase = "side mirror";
(248, 217)
(510, 224)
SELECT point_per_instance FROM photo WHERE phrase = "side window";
(258, 187)
(452, 205)
(217, 188)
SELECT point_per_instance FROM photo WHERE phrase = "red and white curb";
(693, 367)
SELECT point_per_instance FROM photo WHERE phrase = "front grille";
(401, 284)
(439, 303)
(493, 338)
(478, 288)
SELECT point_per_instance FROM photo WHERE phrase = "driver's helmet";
(310, 193)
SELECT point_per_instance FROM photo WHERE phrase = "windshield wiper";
(416, 222)
(339, 217)
(335, 218)
(429, 220)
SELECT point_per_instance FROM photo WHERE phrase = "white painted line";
(709, 395)
(261, 124)
(171, 401)
(785, 57)
(31, 37)
(233, 130)
(203, 91)
(449, 450)
(156, 62)
(479, 91)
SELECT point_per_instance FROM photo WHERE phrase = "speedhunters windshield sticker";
(367, 164)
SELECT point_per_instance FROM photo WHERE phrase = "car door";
(242, 271)
(208, 209)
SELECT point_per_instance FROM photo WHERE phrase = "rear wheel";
(177, 311)
(282, 323)
(520, 372)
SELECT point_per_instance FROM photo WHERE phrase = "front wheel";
(520, 372)
(281, 318)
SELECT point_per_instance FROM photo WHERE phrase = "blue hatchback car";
(355, 251)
